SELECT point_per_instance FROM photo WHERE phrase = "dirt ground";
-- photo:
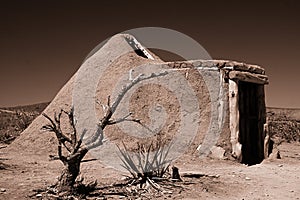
(24, 174)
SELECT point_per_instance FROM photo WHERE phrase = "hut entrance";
(251, 123)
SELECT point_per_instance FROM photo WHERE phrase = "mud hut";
(232, 111)
(209, 105)
(232, 107)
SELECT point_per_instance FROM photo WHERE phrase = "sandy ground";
(272, 179)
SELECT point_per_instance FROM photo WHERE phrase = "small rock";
(275, 154)
(199, 147)
(217, 152)
(247, 178)
(281, 165)
(39, 195)
(2, 190)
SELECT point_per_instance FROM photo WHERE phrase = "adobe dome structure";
(200, 104)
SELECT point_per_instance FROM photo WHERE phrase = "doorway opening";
(251, 133)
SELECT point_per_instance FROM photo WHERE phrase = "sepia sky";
(43, 42)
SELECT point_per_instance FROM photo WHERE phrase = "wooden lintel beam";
(249, 77)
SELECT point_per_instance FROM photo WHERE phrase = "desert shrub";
(13, 123)
(24, 120)
(2, 165)
(288, 131)
(147, 162)
(6, 137)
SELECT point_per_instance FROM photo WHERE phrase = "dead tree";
(73, 142)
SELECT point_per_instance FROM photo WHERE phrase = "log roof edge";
(221, 64)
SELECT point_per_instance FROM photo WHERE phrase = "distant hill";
(288, 113)
(39, 107)
(13, 120)
(284, 122)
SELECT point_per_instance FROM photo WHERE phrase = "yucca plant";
(148, 162)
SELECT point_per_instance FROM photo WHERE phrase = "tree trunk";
(70, 172)
(68, 176)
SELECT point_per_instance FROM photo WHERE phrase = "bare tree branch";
(111, 122)
(72, 123)
(78, 144)
(59, 150)
(55, 127)
(135, 81)
(97, 139)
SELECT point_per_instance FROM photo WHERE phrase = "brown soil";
(272, 179)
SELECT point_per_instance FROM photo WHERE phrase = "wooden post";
(234, 119)
(262, 126)
(175, 173)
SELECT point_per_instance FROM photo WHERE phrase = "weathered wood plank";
(218, 64)
(234, 119)
(238, 66)
(248, 77)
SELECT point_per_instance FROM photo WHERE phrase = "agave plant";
(148, 162)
